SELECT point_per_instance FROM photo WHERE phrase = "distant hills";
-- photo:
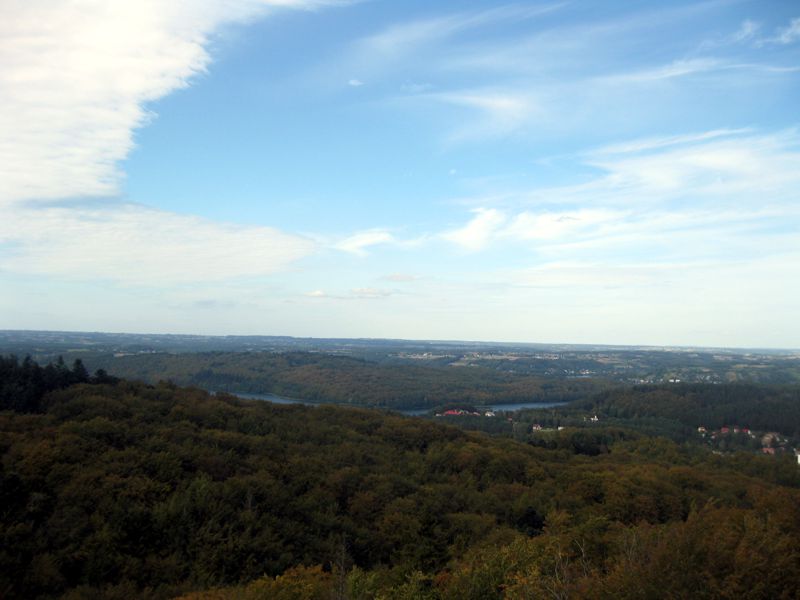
(122, 353)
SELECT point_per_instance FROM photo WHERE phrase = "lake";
(414, 412)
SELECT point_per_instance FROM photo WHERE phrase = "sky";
(554, 172)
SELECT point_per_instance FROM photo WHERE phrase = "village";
(722, 441)
(735, 437)
(461, 412)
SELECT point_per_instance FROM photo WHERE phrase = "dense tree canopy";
(123, 489)
(762, 407)
(343, 379)
(24, 384)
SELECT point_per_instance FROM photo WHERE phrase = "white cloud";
(528, 225)
(743, 168)
(355, 83)
(790, 33)
(415, 46)
(136, 245)
(711, 169)
(408, 38)
(477, 234)
(662, 197)
(678, 68)
(782, 35)
(747, 31)
(643, 145)
(502, 112)
(544, 229)
(76, 79)
(359, 242)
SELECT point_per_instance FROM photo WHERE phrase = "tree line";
(24, 383)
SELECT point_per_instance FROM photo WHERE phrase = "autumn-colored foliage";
(120, 490)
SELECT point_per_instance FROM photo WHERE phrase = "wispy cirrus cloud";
(660, 196)
(738, 167)
(678, 68)
(788, 34)
(359, 242)
(753, 33)
(746, 32)
(489, 227)
(411, 37)
(417, 45)
(655, 143)
(479, 231)
(501, 112)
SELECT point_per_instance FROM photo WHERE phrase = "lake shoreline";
(413, 412)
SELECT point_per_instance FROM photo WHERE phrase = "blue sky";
(617, 172)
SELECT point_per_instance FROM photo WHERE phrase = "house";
(536, 427)
(701, 429)
(594, 419)
(724, 430)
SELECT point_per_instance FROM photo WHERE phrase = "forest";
(761, 407)
(342, 379)
(117, 489)
(620, 364)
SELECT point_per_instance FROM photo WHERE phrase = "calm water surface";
(411, 411)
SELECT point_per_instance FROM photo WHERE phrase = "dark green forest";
(674, 411)
(114, 489)
(761, 407)
(342, 379)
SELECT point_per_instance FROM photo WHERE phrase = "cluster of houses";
(725, 431)
(771, 442)
(460, 412)
(537, 427)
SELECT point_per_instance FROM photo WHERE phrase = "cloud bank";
(75, 81)
(137, 245)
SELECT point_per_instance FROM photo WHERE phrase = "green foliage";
(758, 407)
(23, 385)
(344, 380)
(127, 490)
